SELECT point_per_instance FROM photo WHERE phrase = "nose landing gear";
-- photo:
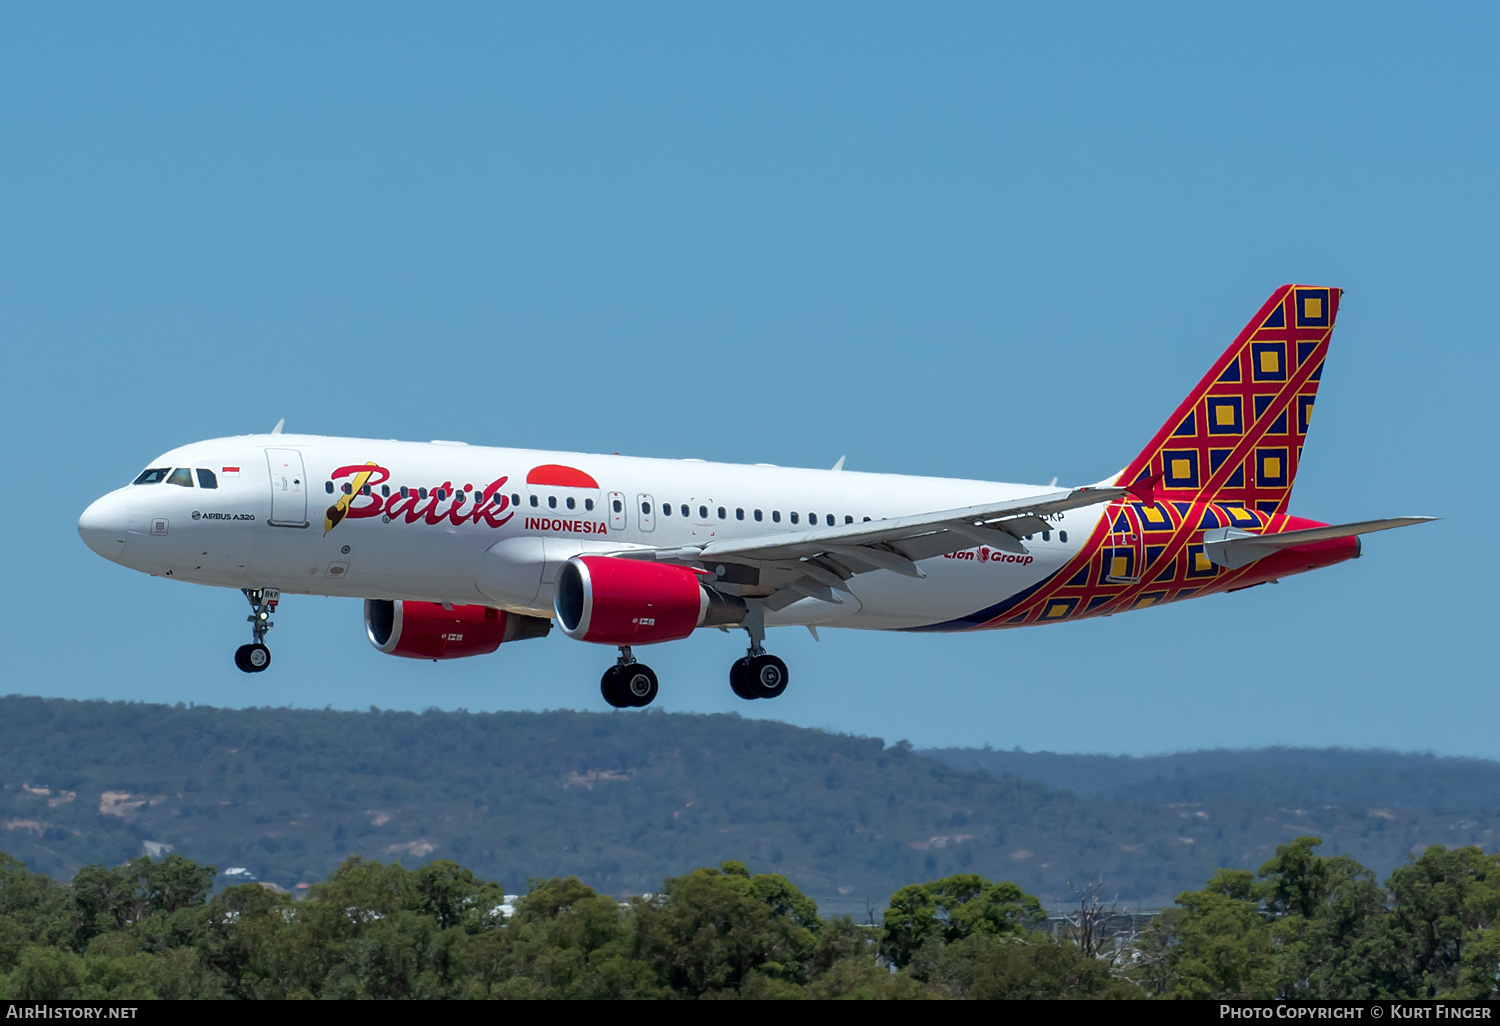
(628, 684)
(757, 674)
(255, 657)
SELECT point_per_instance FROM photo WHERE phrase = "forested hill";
(623, 800)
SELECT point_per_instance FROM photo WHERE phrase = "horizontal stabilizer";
(1233, 548)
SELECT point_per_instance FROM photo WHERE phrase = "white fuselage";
(470, 529)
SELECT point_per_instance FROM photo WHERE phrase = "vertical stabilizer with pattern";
(1237, 438)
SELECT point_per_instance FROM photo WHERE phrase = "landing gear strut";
(255, 657)
(757, 674)
(628, 684)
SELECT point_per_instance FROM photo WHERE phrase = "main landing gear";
(628, 684)
(256, 656)
(757, 674)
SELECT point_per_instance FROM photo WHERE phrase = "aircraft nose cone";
(102, 526)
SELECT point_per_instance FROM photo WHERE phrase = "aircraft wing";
(1232, 548)
(817, 562)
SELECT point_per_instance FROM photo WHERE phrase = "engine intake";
(617, 601)
(428, 630)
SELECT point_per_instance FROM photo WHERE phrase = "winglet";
(840, 464)
(279, 425)
(1145, 490)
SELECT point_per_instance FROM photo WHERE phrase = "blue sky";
(994, 241)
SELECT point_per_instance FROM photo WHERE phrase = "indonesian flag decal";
(556, 476)
(231, 471)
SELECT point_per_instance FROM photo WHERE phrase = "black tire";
(737, 679)
(609, 687)
(766, 676)
(242, 659)
(257, 657)
(638, 685)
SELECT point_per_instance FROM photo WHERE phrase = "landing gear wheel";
(637, 685)
(252, 658)
(256, 656)
(765, 676)
(738, 678)
(610, 688)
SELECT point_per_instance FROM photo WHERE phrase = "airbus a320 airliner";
(458, 549)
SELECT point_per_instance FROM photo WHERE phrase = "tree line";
(1302, 926)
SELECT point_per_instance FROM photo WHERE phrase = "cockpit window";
(153, 475)
(181, 476)
(206, 479)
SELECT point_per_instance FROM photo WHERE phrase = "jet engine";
(617, 601)
(430, 630)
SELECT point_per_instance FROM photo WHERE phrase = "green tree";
(711, 930)
(453, 897)
(1446, 901)
(989, 967)
(955, 907)
(568, 941)
(1215, 944)
(1331, 930)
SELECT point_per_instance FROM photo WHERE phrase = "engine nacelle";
(428, 630)
(617, 601)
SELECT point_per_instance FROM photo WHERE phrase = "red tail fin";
(1238, 436)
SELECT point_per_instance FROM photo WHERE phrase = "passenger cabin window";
(206, 479)
(666, 509)
(405, 493)
(619, 507)
(515, 498)
(1062, 536)
(552, 502)
(739, 514)
(646, 508)
(757, 516)
(794, 516)
(181, 476)
(535, 501)
(848, 519)
(775, 516)
(702, 512)
(421, 493)
(685, 510)
(1046, 536)
(328, 487)
(722, 513)
(588, 504)
(830, 520)
(572, 502)
(154, 475)
(385, 490)
(365, 490)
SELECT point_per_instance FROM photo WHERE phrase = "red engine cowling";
(428, 630)
(632, 602)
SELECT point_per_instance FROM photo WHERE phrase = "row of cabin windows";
(1062, 536)
(739, 514)
(182, 476)
(569, 502)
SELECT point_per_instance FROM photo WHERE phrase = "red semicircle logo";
(560, 477)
